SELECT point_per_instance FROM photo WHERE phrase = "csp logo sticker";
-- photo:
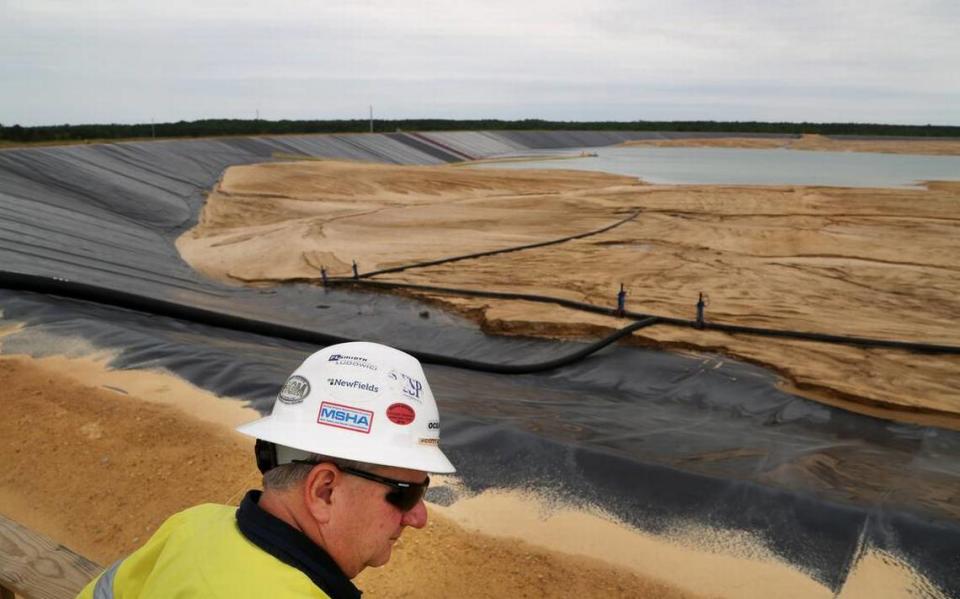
(409, 386)
(401, 413)
(341, 416)
(294, 390)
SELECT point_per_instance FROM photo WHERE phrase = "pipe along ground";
(122, 299)
(515, 248)
(82, 291)
(918, 347)
(365, 279)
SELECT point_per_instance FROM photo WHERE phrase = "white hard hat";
(358, 401)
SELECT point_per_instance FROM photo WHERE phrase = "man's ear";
(318, 491)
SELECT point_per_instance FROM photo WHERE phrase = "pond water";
(749, 167)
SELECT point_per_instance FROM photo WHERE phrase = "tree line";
(225, 127)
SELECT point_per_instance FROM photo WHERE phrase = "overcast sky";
(81, 61)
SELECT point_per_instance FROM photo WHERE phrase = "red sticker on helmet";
(400, 413)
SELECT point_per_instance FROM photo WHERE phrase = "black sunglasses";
(405, 495)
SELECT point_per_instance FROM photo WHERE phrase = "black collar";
(292, 547)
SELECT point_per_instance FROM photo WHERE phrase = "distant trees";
(229, 127)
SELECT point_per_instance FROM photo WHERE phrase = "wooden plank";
(36, 567)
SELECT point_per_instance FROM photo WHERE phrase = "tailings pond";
(726, 166)
(652, 437)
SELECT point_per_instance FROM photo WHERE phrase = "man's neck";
(287, 507)
(271, 522)
(281, 505)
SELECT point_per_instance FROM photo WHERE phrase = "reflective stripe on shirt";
(104, 588)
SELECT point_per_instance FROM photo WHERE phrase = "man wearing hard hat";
(344, 455)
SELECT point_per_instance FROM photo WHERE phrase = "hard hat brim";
(347, 444)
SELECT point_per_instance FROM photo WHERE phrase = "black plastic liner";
(648, 447)
(653, 437)
(427, 148)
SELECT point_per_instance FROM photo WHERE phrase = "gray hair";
(287, 476)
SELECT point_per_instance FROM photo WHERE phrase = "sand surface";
(821, 143)
(286, 220)
(98, 467)
(879, 263)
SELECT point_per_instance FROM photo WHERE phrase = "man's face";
(365, 526)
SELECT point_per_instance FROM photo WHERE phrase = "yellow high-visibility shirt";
(201, 552)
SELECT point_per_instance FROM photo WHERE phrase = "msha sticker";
(401, 413)
(346, 417)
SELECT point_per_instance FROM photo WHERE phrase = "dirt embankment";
(816, 143)
(98, 458)
(98, 469)
(876, 263)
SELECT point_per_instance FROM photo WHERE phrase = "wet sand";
(138, 452)
(879, 263)
(816, 143)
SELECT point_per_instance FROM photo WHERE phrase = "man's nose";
(417, 517)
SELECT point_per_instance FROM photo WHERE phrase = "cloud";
(72, 61)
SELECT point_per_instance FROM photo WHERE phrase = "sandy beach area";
(814, 143)
(879, 263)
(143, 445)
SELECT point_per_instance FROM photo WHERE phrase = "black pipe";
(122, 299)
(851, 340)
(919, 347)
(131, 301)
(515, 248)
